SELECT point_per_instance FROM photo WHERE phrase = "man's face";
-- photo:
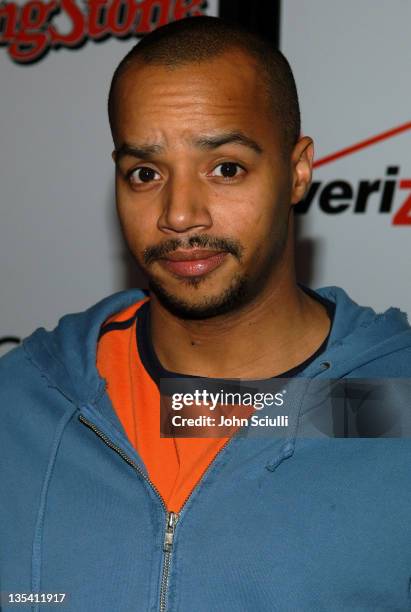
(204, 184)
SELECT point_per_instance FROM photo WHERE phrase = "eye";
(228, 170)
(144, 174)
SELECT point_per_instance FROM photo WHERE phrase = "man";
(95, 503)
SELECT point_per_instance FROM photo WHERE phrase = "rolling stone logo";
(28, 31)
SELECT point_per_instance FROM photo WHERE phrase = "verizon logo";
(338, 196)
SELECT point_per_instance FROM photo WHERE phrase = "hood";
(360, 337)
(66, 356)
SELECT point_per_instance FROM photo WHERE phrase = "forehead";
(225, 92)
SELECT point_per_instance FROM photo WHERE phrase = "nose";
(185, 206)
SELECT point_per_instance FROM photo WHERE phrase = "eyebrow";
(213, 142)
(146, 152)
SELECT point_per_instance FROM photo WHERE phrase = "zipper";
(171, 517)
(122, 454)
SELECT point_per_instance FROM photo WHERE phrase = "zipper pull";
(169, 535)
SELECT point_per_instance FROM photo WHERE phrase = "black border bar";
(261, 16)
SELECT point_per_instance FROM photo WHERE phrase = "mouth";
(194, 262)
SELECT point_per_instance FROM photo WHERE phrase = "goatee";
(235, 296)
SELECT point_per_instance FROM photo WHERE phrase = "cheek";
(248, 214)
(138, 222)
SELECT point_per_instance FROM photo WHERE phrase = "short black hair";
(197, 39)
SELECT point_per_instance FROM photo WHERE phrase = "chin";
(202, 306)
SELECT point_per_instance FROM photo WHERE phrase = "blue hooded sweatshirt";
(284, 523)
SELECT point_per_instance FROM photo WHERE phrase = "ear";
(302, 163)
(114, 155)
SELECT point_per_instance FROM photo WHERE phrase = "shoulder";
(396, 363)
(15, 369)
(63, 357)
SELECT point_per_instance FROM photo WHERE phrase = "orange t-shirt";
(174, 465)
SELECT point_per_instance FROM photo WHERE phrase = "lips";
(195, 262)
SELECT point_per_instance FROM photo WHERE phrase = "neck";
(281, 328)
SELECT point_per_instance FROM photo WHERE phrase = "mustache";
(159, 251)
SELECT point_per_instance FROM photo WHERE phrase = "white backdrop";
(60, 245)
(352, 61)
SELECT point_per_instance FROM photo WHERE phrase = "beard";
(232, 298)
(242, 289)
